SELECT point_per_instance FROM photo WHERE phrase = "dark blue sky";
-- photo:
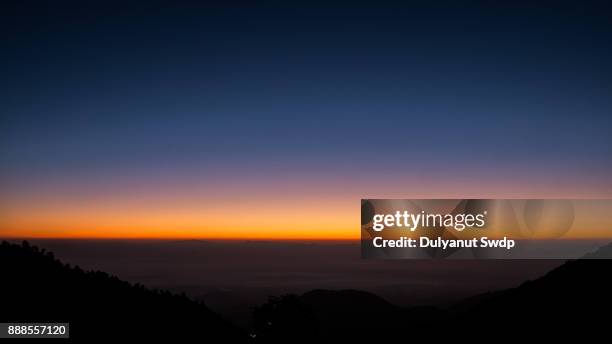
(277, 89)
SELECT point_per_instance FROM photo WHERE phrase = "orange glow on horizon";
(291, 209)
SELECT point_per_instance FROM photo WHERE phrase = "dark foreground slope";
(571, 301)
(574, 299)
(36, 287)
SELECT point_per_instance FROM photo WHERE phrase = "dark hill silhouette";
(334, 316)
(355, 308)
(36, 287)
(360, 315)
(571, 300)
(342, 300)
(604, 252)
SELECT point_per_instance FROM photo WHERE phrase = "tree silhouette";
(36, 287)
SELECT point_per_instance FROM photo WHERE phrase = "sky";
(272, 120)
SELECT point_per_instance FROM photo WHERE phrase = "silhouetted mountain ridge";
(36, 287)
(579, 288)
(571, 300)
(342, 299)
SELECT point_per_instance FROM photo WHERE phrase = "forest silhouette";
(36, 287)
(572, 300)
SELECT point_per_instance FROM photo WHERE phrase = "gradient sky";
(177, 119)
